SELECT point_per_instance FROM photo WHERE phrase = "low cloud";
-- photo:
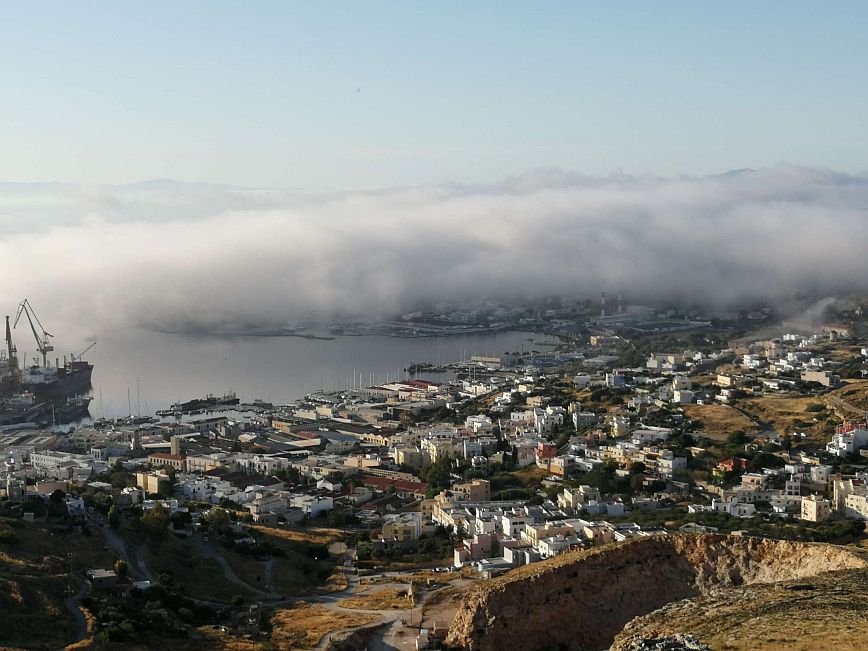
(167, 255)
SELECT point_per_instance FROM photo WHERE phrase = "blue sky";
(351, 94)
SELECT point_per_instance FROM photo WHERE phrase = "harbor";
(41, 392)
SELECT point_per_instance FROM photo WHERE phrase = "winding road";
(393, 634)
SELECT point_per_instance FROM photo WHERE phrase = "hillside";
(39, 569)
(773, 617)
(582, 600)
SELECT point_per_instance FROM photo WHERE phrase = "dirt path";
(270, 588)
(763, 428)
(143, 564)
(845, 407)
(230, 575)
(72, 605)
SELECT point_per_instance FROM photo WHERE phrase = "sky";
(383, 94)
(187, 165)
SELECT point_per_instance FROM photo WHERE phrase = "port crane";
(11, 354)
(77, 358)
(43, 343)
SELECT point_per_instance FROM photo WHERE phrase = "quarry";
(584, 600)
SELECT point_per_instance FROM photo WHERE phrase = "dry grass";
(28, 605)
(201, 575)
(719, 421)
(423, 577)
(854, 393)
(788, 415)
(304, 625)
(530, 475)
(34, 579)
(312, 535)
(336, 582)
(386, 599)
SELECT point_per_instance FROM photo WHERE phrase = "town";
(364, 503)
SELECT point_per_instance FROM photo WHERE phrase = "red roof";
(730, 464)
(167, 456)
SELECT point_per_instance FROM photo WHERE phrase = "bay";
(156, 369)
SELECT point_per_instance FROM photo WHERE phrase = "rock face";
(827, 611)
(583, 600)
(676, 642)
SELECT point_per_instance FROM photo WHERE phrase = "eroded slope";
(583, 600)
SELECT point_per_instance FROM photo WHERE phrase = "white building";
(848, 438)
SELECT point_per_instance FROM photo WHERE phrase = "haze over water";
(171, 367)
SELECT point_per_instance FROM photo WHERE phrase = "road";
(401, 626)
(396, 635)
(845, 406)
(763, 428)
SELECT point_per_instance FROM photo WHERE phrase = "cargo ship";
(45, 381)
(73, 378)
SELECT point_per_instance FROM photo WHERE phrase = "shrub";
(8, 537)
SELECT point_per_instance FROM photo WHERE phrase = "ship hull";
(7, 386)
(74, 381)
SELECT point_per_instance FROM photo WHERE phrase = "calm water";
(168, 368)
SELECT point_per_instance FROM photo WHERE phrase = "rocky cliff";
(827, 611)
(583, 600)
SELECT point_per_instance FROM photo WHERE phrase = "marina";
(164, 369)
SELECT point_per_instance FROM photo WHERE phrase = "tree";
(363, 551)
(436, 475)
(120, 479)
(638, 468)
(102, 501)
(180, 519)
(217, 519)
(114, 517)
(765, 460)
(737, 438)
(155, 520)
(122, 570)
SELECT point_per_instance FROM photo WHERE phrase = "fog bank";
(169, 255)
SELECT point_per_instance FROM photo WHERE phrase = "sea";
(139, 372)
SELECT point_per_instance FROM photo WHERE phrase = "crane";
(42, 342)
(77, 358)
